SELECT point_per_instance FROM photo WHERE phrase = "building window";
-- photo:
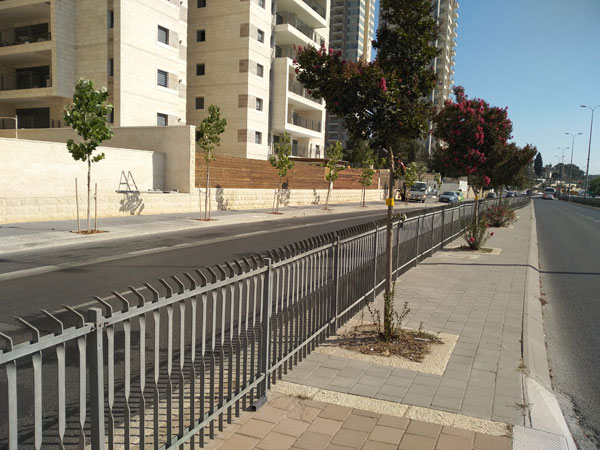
(261, 3)
(110, 18)
(199, 102)
(163, 35)
(257, 137)
(259, 70)
(259, 104)
(201, 3)
(260, 36)
(111, 116)
(200, 69)
(198, 135)
(162, 120)
(162, 78)
(110, 69)
(200, 35)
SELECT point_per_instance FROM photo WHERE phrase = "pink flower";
(383, 85)
(300, 49)
(492, 233)
(471, 239)
(486, 180)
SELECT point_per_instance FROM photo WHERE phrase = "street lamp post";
(561, 158)
(587, 168)
(571, 165)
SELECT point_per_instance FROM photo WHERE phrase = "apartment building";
(240, 58)
(446, 14)
(136, 48)
(352, 29)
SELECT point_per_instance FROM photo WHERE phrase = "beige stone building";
(137, 48)
(240, 58)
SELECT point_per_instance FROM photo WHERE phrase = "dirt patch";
(88, 232)
(409, 344)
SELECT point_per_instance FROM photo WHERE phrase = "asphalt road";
(569, 245)
(74, 275)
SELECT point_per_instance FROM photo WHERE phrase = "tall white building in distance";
(351, 30)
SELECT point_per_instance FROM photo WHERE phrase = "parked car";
(418, 192)
(448, 197)
(510, 194)
(491, 195)
(549, 193)
(460, 196)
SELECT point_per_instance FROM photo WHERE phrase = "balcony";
(26, 79)
(311, 12)
(25, 35)
(304, 122)
(298, 89)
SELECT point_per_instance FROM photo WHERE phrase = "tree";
(512, 169)
(282, 162)
(390, 96)
(594, 186)
(472, 136)
(411, 175)
(334, 156)
(538, 165)
(366, 176)
(210, 131)
(88, 116)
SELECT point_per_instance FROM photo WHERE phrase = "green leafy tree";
(538, 165)
(366, 175)
(411, 176)
(210, 131)
(594, 186)
(512, 169)
(88, 116)
(334, 156)
(282, 162)
(390, 96)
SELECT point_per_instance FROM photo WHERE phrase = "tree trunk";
(207, 193)
(278, 198)
(89, 190)
(364, 195)
(388, 305)
(328, 194)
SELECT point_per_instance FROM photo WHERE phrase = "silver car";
(448, 197)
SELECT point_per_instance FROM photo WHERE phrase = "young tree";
(334, 156)
(538, 165)
(411, 176)
(282, 162)
(512, 169)
(366, 176)
(594, 187)
(88, 116)
(210, 129)
(390, 96)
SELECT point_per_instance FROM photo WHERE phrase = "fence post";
(336, 285)
(432, 231)
(418, 233)
(265, 340)
(399, 225)
(375, 262)
(443, 225)
(95, 355)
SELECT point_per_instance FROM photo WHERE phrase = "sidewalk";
(479, 400)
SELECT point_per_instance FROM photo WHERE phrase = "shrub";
(499, 216)
(476, 234)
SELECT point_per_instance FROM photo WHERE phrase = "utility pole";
(571, 166)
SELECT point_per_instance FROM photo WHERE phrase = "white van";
(549, 194)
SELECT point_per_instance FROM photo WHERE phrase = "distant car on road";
(511, 194)
(549, 193)
(448, 197)
(418, 192)
(491, 195)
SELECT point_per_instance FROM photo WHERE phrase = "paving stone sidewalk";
(477, 297)
(291, 423)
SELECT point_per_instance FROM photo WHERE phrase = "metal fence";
(164, 366)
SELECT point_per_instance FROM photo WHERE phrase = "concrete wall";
(176, 143)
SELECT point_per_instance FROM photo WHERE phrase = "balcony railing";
(297, 88)
(9, 38)
(285, 51)
(291, 19)
(26, 80)
(317, 8)
(304, 122)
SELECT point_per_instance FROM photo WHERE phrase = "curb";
(544, 413)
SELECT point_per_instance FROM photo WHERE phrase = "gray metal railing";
(304, 122)
(160, 366)
(297, 88)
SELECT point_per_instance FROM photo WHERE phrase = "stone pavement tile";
(389, 435)
(482, 412)
(363, 412)
(335, 363)
(427, 380)
(325, 372)
(287, 403)
(359, 423)
(304, 413)
(256, 428)
(276, 441)
(446, 403)
(350, 438)
(419, 428)
(335, 412)
(398, 381)
(291, 427)
(325, 426)
(364, 390)
(447, 391)
(418, 400)
(239, 442)
(381, 372)
(486, 442)
(403, 373)
(343, 381)
(459, 432)
(392, 421)
(414, 442)
(452, 442)
(421, 389)
(337, 447)
(317, 381)
(312, 441)
(394, 391)
(352, 372)
(374, 445)
(371, 380)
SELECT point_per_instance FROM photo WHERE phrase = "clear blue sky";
(541, 58)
